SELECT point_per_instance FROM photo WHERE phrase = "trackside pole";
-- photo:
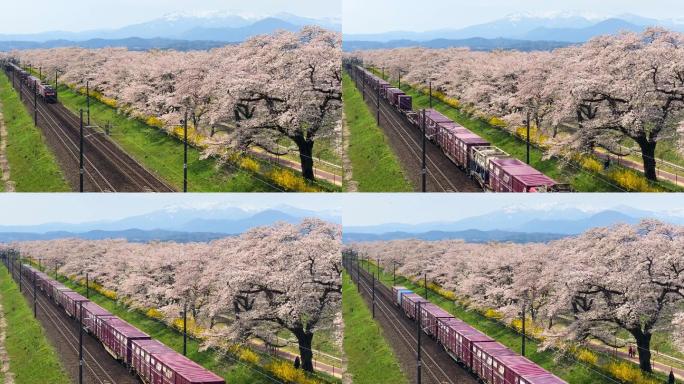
(423, 170)
(80, 342)
(81, 170)
(419, 361)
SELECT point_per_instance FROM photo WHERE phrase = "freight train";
(45, 91)
(491, 361)
(150, 360)
(492, 168)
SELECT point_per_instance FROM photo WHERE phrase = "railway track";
(107, 167)
(442, 174)
(437, 366)
(98, 366)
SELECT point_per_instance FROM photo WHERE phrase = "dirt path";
(352, 185)
(657, 366)
(4, 163)
(4, 357)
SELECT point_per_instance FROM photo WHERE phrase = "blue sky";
(375, 16)
(371, 209)
(30, 16)
(32, 208)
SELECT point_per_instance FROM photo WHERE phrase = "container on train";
(459, 337)
(397, 291)
(486, 361)
(480, 159)
(54, 287)
(70, 300)
(518, 369)
(116, 335)
(512, 175)
(465, 142)
(392, 94)
(156, 363)
(409, 303)
(91, 313)
(405, 103)
(432, 120)
(429, 314)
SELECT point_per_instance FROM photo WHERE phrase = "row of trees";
(249, 286)
(284, 85)
(612, 88)
(627, 277)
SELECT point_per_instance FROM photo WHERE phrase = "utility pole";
(527, 123)
(185, 329)
(20, 275)
(400, 79)
(87, 287)
(363, 87)
(358, 275)
(419, 362)
(378, 104)
(35, 298)
(424, 167)
(81, 170)
(35, 103)
(185, 151)
(80, 342)
(425, 284)
(383, 73)
(40, 73)
(394, 273)
(40, 267)
(373, 294)
(88, 99)
(430, 94)
(522, 352)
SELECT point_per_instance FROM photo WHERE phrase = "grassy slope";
(163, 154)
(32, 358)
(33, 166)
(370, 359)
(374, 166)
(238, 373)
(569, 370)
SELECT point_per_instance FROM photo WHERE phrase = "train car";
(392, 95)
(458, 338)
(409, 302)
(397, 291)
(117, 335)
(70, 301)
(91, 313)
(433, 119)
(405, 103)
(156, 363)
(463, 144)
(429, 314)
(480, 158)
(520, 370)
(486, 361)
(54, 287)
(512, 175)
(42, 281)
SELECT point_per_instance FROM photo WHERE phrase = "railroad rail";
(438, 367)
(107, 167)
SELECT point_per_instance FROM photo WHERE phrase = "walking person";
(297, 362)
(671, 378)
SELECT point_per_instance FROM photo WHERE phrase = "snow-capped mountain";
(555, 26)
(215, 26)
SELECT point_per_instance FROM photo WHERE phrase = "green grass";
(33, 166)
(370, 358)
(32, 358)
(568, 369)
(374, 166)
(163, 154)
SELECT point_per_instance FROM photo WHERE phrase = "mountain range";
(560, 29)
(519, 224)
(173, 223)
(174, 31)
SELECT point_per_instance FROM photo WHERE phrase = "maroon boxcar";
(520, 370)
(70, 300)
(429, 314)
(405, 103)
(397, 291)
(54, 287)
(459, 337)
(91, 312)
(512, 175)
(463, 147)
(433, 119)
(116, 335)
(487, 363)
(392, 94)
(158, 364)
(409, 302)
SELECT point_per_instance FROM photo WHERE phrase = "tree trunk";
(305, 156)
(643, 341)
(648, 157)
(304, 339)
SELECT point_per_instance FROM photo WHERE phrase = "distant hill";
(132, 235)
(471, 236)
(506, 33)
(475, 43)
(174, 31)
(133, 44)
